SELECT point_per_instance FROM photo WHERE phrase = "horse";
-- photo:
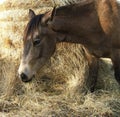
(95, 24)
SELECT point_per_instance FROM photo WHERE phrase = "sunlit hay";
(9, 65)
(16, 4)
(66, 70)
(106, 79)
(56, 89)
(92, 102)
(100, 103)
(9, 77)
(8, 43)
(75, 67)
(45, 105)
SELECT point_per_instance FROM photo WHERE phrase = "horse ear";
(48, 16)
(53, 13)
(51, 19)
(31, 14)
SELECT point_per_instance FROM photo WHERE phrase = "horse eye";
(36, 42)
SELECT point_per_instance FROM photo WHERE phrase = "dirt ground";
(57, 90)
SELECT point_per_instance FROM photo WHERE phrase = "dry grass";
(57, 91)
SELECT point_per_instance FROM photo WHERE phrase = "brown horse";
(93, 23)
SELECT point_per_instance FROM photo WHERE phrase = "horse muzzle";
(25, 78)
(25, 72)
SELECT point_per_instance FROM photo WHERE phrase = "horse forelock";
(32, 26)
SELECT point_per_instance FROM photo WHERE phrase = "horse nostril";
(24, 77)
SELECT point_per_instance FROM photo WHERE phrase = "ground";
(58, 89)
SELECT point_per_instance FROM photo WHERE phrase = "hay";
(58, 88)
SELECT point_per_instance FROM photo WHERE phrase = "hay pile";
(56, 90)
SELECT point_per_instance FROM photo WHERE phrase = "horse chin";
(26, 81)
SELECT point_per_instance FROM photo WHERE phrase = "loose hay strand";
(58, 88)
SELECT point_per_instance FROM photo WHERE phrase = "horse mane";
(77, 8)
(84, 2)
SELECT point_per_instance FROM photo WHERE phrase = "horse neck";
(67, 21)
(70, 38)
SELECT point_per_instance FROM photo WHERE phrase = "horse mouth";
(26, 81)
